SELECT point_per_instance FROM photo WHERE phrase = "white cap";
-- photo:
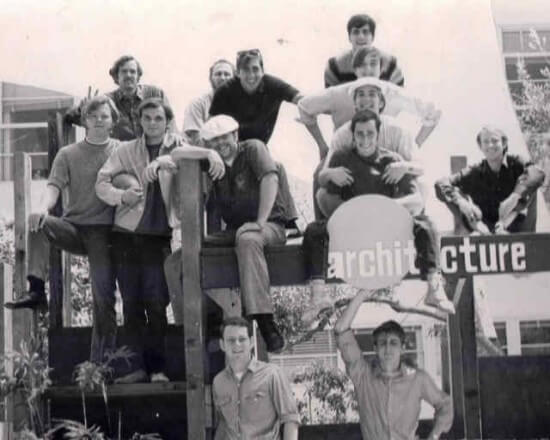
(218, 126)
(366, 81)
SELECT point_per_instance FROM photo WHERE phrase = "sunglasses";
(249, 52)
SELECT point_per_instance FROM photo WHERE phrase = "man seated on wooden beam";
(248, 197)
(494, 195)
(389, 390)
(84, 228)
(367, 165)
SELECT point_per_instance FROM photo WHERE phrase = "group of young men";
(123, 203)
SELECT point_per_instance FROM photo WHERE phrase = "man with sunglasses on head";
(253, 97)
(198, 110)
(339, 69)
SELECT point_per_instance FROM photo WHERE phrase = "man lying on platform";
(84, 228)
(389, 392)
(366, 164)
(249, 200)
(494, 195)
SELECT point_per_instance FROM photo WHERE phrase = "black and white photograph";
(274, 220)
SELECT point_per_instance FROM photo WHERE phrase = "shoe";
(269, 331)
(137, 376)
(436, 296)
(30, 300)
(159, 377)
(321, 305)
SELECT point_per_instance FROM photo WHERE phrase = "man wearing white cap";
(249, 200)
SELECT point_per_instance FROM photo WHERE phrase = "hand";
(394, 172)
(87, 98)
(132, 196)
(340, 176)
(507, 206)
(217, 166)
(36, 219)
(470, 211)
(249, 227)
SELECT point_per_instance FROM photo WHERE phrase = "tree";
(534, 111)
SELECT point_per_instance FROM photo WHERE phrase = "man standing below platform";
(249, 200)
(198, 110)
(361, 29)
(494, 195)
(84, 228)
(367, 164)
(126, 73)
(389, 392)
(252, 398)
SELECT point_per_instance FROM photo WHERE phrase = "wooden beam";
(55, 264)
(466, 321)
(189, 181)
(119, 390)
(6, 344)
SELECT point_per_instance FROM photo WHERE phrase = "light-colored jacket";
(132, 158)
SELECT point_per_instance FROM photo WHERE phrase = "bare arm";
(344, 322)
(290, 431)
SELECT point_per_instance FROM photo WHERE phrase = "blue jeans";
(95, 242)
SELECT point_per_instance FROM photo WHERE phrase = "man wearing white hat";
(249, 200)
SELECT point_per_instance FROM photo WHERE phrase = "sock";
(36, 284)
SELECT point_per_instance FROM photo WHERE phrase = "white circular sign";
(371, 242)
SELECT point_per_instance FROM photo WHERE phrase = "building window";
(518, 44)
(500, 328)
(535, 337)
(413, 344)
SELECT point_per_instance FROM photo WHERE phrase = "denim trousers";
(93, 241)
(139, 261)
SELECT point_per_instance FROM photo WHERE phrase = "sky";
(447, 49)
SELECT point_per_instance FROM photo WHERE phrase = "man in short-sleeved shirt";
(492, 196)
(198, 110)
(253, 98)
(252, 398)
(388, 391)
(250, 199)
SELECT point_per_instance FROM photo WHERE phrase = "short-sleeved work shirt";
(254, 407)
(389, 407)
(74, 171)
(237, 194)
(197, 112)
(255, 112)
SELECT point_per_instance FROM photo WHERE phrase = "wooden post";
(189, 183)
(56, 265)
(24, 322)
(6, 345)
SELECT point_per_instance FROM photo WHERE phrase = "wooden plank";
(189, 175)
(56, 264)
(455, 384)
(117, 390)
(6, 343)
(472, 403)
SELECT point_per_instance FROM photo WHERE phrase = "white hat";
(218, 126)
(366, 81)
